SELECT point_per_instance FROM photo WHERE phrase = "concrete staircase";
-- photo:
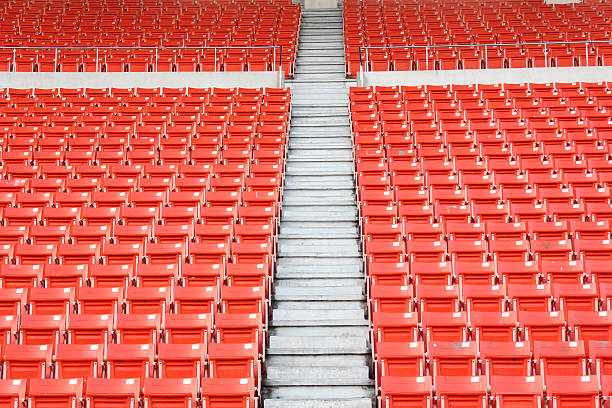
(318, 352)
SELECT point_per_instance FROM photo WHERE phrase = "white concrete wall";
(141, 79)
(486, 76)
(320, 4)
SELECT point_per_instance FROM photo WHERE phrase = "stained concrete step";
(314, 403)
(318, 391)
(318, 283)
(317, 315)
(316, 373)
(346, 360)
(356, 330)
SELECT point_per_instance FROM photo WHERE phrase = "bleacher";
(485, 218)
(138, 234)
(135, 29)
(446, 34)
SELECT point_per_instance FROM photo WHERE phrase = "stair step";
(362, 330)
(319, 403)
(318, 391)
(305, 373)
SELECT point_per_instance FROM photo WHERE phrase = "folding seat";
(520, 391)
(467, 251)
(21, 216)
(170, 392)
(111, 276)
(251, 253)
(483, 298)
(498, 326)
(480, 273)
(530, 297)
(187, 328)
(228, 392)
(234, 361)
(12, 392)
(20, 276)
(26, 361)
(78, 360)
(399, 391)
(457, 391)
(137, 328)
(385, 251)
(385, 274)
(563, 271)
(591, 230)
(548, 231)
(432, 251)
(398, 359)
(415, 231)
(513, 231)
(239, 328)
(65, 276)
(55, 392)
(391, 299)
(78, 254)
(576, 296)
(63, 216)
(601, 357)
(11, 301)
(89, 328)
(502, 250)
(434, 298)
(560, 358)
(178, 215)
(444, 326)
(572, 391)
(147, 300)
(130, 360)
(592, 249)
(50, 301)
(552, 250)
(94, 216)
(542, 326)
(447, 197)
(181, 360)
(590, 326)
(243, 300)
(132, 234)
(203, 274)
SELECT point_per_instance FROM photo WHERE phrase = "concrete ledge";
(141, 79)
(485, 76)
(320, 4)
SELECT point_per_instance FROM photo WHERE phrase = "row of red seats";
(395, 23)
(431, 93)
(182, 94)
(212, 24)
(152, 392)
(490, 273)
(487, 358)
(499, 391)
(96, 275)
(433, 295)
(221, 60)
(395, 250)
(488, 230)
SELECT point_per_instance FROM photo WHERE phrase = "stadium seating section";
(114, 23)
(438, 23)
(138, 242)
(486, 219)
